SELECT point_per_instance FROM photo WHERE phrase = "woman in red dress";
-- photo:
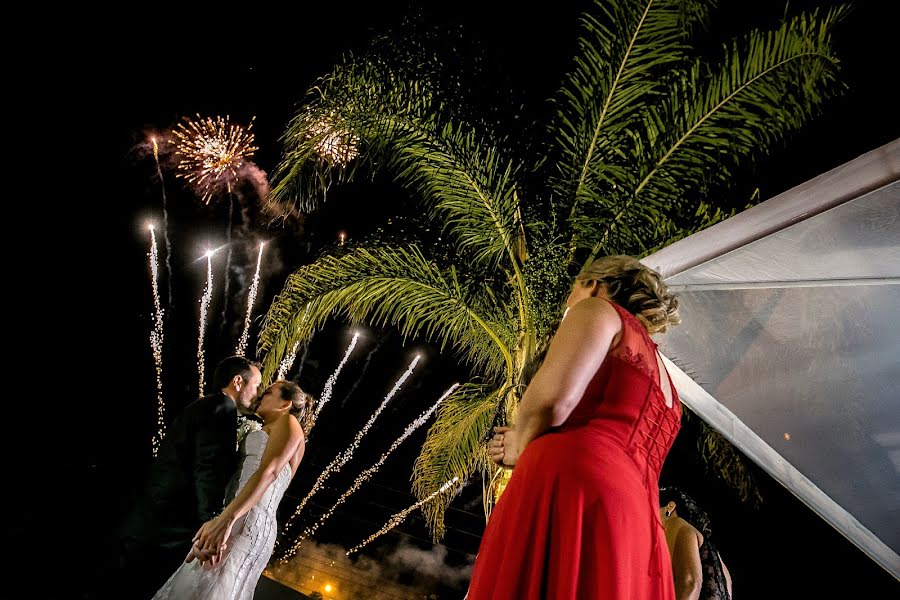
(579, 517)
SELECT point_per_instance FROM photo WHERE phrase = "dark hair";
(301, 404)
(229, 367)
(687, 509)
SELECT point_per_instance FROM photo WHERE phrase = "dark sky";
(112, 78)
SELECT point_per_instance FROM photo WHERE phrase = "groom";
(187, 482)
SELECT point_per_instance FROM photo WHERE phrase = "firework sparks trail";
(212, 152)
(303, 356)
(344, 457)
(251, 298)
(156, 342)
(162, 185)
(287, 363)
(370, 472)
(329, 383)
(227, 279)
(288, 360)
(401, 516)
(204, 308)
(362, 372)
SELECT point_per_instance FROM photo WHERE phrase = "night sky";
(113, 80)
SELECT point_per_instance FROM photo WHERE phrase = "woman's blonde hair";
(636, 288)
(302, 404)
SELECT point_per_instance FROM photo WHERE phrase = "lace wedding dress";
(250, 545)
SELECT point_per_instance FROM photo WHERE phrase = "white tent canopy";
(791, 337)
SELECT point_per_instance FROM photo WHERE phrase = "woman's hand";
(503, 448)
(210, 540)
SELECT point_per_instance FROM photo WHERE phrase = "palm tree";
(644, 136)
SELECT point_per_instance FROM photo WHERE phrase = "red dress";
(579, 518)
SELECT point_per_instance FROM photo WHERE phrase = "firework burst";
(212, 151)
(337, 146)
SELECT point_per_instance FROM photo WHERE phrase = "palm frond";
(399, 127)
(396, 286)
(356, 89)
(626, 52)
(645, 136)
(720, 115)
(470, 188)
(454, 447)
(723, 460)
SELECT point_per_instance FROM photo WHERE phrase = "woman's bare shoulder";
(595, 309)
(686, 529)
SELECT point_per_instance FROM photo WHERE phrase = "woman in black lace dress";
(699, 571)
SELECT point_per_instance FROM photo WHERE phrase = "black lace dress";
(715, 586)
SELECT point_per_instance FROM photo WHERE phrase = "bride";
(232, 549)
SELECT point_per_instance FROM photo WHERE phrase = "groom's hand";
(199, 554)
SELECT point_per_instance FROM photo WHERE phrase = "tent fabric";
(790, 345)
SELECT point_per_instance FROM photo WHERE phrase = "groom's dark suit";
(186, 488)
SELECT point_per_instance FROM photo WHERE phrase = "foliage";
(646, 136)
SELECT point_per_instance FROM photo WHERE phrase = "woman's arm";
(686, 567)
(298, 456)
(576, 353)
(727, 577)
(284, 438)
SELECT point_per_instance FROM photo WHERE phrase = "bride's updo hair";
(302, 405)
(636, 288)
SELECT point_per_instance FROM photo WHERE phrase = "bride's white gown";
(250, 545)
